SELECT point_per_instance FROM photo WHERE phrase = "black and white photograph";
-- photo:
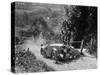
(49, 37)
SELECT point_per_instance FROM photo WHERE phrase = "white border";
(5, 35)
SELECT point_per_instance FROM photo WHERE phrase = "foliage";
(83, 22)
(25, 61)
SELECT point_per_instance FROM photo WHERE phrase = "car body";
(49, 51)
(59, 52)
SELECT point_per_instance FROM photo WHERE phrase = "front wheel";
(42, 52)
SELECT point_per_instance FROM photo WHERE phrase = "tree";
(83, 20)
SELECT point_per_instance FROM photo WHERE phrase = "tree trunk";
(91, 45)
(81, 48)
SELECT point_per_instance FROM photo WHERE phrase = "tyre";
(42, 52)
(54, 55)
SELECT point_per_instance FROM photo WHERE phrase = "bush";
(25, 61)
(91, 44)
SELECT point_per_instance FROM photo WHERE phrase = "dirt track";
(82, 63)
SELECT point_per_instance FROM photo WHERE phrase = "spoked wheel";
(43, 53)
(53, 55)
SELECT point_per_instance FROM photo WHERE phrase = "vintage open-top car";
(59, 52)
(49, 51)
